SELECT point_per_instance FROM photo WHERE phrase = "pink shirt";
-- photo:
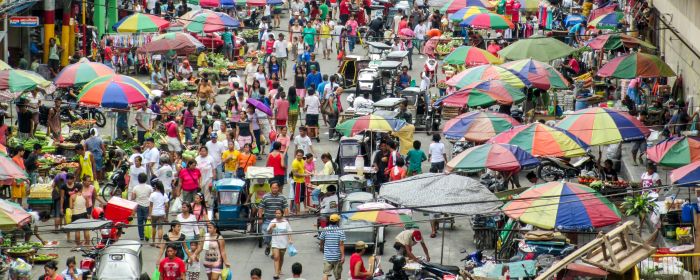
(188, 119)
(282, 107)
(353, 26)
(171, 129)
(269, 46)
(284, 141)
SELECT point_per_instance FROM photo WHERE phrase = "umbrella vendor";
(405, 241)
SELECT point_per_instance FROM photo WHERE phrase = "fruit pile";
(173, 104)
(82, 123)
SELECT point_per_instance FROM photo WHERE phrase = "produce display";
(249, 33)
(447, 45)
(24, 248)
(41, 191)
(83, 124)
(126, 144)
(71, 166)
(177, 85)
(173, 104)
(598, 184)
(42, 258)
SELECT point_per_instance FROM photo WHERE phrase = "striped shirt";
(270, 203)
(332, 236)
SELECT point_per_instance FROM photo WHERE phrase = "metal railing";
(671, 266)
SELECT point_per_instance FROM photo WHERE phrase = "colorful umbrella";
(114, 91)
(487, 72)
(217, 3)
(208, 21)
(181, 42)
(371, 123)
(4, 65)
(675, 151)
(454, 5)
(139, 22)
(636, 65)
(406, 32)
(16, 80)
(466, 12)
(541, 75)
(602, 11)
(543, 141)
(603, 126)
(473, 97)
(573, 19)
(3, 149)
(81, 73)
(487, 21)
(385, 214)
(616, 41)
(687, 175)
(9, 170)
(470, 56)
(496, 86)
(537, 47)
(275, 2)
(478, 126)
(609, 21)
(497, 157)
(564, 206)
(12, 215)
(259, 105)
(256, 3)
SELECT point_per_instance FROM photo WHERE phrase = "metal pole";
(442, 247)
(85, 48)
(5, 53)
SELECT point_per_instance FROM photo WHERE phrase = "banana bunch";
(586, 79)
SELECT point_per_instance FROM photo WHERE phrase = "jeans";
(351, 39)
(219, 171)
(266, 237)
(314, 196)
(188, 134)
(141, 136)
(332, 122)
(141, 217)
(410, 57)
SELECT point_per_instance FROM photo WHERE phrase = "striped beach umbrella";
(616, 41)
(603, 126)
(466, 12)
(675, 151)
(453, 6)
(16, 80)
(81, 73)
(487, 21)
(636, 65)
(472, 97)
(114, 91)
(688, 175)
(207, 21)
(608, 21)
(470, 56)
(497, 157)
(369, 123)
(180, 42)
(478, 126)
(541, 75)
(543, 141)
(563, 206)
(140, 22)
(486, 73)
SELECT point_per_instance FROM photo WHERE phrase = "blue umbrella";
(275, 2)
(573, 19)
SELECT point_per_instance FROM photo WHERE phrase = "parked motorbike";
(116, 183)
(71, 113)
(555, 169)
(433, 119)
(426, 271)
(493, 183)
(252, 19)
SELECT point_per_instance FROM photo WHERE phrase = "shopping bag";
(156, 274)
(292, 250)
(175, 206)
(226, 273)
(69, 215)
(148, 230)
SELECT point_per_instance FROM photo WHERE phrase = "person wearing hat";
(405, 241)
(357, 266)
(333, 247)
(216, 150)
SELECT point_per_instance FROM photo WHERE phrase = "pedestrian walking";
(280, 230)
(174, 237)
(437, 155)
(215, 257)
(171, 267)
(207, 167)
(141, 195)
(270, 203)
(333, 246)
(415, 158)
(157, 211)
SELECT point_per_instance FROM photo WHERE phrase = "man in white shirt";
(329, 203)
(437, 155)
(216, 149)
(280, 50)
(312, 107)
(303, 142)
(141, 195)
(165, 175)
(419, 31)
(362, 102)
(151, 157)
(249, 72)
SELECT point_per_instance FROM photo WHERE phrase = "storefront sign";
(24, 21)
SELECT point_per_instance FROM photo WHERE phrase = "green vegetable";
(177, 85)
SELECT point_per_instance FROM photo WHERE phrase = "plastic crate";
(39, 201)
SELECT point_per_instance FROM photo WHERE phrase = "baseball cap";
(417, 236)
(360, 245)
(334, 218)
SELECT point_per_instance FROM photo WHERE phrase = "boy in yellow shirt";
(298, 175)
(230, 158)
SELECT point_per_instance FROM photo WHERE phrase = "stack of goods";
(566, 99)
(40, 197)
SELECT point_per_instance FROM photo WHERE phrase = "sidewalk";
(632, 173)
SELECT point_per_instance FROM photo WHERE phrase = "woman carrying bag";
(215, 257)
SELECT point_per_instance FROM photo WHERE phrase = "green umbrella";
(20, 80)
(537, 47)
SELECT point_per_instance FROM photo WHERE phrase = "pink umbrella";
(407, 32)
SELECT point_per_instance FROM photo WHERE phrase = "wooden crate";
(450, 112)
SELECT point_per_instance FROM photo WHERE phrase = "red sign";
(24, 21)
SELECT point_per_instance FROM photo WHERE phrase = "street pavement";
(242, 250)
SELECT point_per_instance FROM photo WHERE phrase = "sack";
(292, 250)
(156, 274)
(226, 273)
(148, 230)
(175, 206)
(69, 215)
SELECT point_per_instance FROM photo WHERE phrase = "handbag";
(240, 171)
(292, 250)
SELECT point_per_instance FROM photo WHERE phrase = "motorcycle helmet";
(97, 213)
(334, 218)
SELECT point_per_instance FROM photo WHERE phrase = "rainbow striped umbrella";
(616, 41)
(466, 12)
(453, 6)
(139, 22)
(487, 21)
(81, 73)
(217, 3)
(564, 206)
(4, 65)
(688, 175)
(470, 56)
(541, 75)
(9, 170)
(485, 73)
(609, 21)
(603, 126)
(636, 65)
(369, 123)
(208, 21)
(543, 141)
(472, 97)
(181, 42)
(478, 126)
(497, 157)
(114, 91)
(384, 213)
(12, 215)
(16, 80)
(675, 151)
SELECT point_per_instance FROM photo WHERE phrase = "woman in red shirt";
(190, 180)
(274, 160)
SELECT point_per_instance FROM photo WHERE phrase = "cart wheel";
(380, 248)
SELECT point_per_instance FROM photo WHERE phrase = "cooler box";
(118, 209)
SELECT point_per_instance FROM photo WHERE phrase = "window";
(228, 197)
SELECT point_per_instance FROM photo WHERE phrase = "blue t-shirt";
(576, 29)
(320, 87)
(332, 236)
(313, 79)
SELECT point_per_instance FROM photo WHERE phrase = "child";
(193, 263)
(309, 168)
(415, 158)
(398, 172)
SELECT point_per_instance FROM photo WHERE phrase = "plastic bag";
(148, 230)
(156, 274)
(292, 250)
(175, 206)
(69, 215)
(226, 273)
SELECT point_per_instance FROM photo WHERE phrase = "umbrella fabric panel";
(498, 157)
(9, 170)
(466, 55)
(636, 65)
(539, 74)
(466, 12)
(601, 126)
(487, 72)
(478, 126)
(81, 73)
(537, 47)
(20, 80)
(139, 22)
(688, 175)
(675, 151)
(542, 140)
(487, 21)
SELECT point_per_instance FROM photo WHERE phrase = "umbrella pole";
(442, 246)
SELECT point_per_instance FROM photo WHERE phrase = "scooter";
(555, 169)
(426, 271)
(72, 112)
(117, 182)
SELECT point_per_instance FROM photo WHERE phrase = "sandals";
(433, 235)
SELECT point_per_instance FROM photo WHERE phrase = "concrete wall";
(684, 17)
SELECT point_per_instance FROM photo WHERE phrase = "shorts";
(282, 61)
(54, 64)
(312, 120)
(276, 11)
(242, 140)
(334, 269)
(158, 220)
(437, 167)
(299, 192)
(173, 144)
(76, 217)
(216, 270)
(99, 161)
(637, 146)
(301, 93)
(327, 44)
(203, 104)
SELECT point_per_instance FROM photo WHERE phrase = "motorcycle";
(423, 271)
(116, 183)
(545, 253)
(122, 261)
(252, 19)
(72, 112)
(433, 119)
(555, 169)
(493, 183)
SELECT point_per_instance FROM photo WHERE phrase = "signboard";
(24, 21)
